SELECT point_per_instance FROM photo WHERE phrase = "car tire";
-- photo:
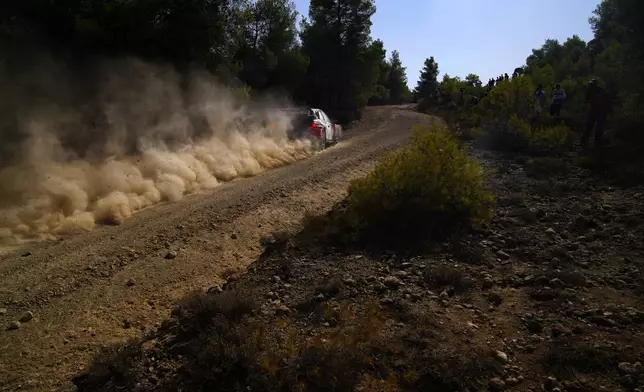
(322, 143)
(337, 133)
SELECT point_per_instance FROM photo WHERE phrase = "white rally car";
(313, 124)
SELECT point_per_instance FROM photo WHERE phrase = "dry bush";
(429, 190)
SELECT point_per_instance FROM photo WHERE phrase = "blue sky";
(486, 37)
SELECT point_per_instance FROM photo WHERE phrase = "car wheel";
(335, 134)
(321, 143)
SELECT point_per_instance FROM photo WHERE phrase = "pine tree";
(380, 95)
(397, 80)
(427, 88)
(344, 61)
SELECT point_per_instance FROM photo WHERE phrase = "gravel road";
(108, 285)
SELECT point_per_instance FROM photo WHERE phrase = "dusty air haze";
(81, 148)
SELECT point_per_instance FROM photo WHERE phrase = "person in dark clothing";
(461, 96)
(558, 98)
(598, 107)
(506, 77)
(540, 95)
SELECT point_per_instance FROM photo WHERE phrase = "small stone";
(512, 381)
(283, 194)
(233, 277)
(628, 380)
(550, 384)
(551, 231)
(530, 348)
(559, 330)
(26, 317)
(501, 357)
(13, 325)
(282, 310)
(392, 281)
(216, 289)
(495, 299)
(379, 287)
(488, 283)
(603, 321)
(444, 295)
(26, 254)
(626, 368)
(557, 283)
(233, 236)
(529, 215)
(3, 311)
(541, 281)
(277, 279)
(349, 281)
(496, 384)
(534, 326)
(130, 283)
(502, 255)
(127, 324)
(171, 255)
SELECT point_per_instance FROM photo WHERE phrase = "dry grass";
(215, 343)
(448, 277)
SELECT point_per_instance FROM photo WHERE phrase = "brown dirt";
(77, 288)
(553, 283)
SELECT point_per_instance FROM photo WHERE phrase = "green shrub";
(427, 189)
(552, 138)
(510, 99)
(518, 135)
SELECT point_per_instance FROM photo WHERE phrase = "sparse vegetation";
(507, 111)
(388, 322)
(446, 277)
(216, 344)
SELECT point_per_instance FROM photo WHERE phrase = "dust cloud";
(93, 145)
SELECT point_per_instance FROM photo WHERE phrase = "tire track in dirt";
(110, 284)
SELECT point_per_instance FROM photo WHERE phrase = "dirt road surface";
(110, 284)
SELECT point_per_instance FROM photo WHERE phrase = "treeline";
(614, 58)
(329, 61)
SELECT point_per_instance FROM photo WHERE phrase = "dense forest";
(329, 61)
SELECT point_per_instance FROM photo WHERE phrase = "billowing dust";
(78, 153)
